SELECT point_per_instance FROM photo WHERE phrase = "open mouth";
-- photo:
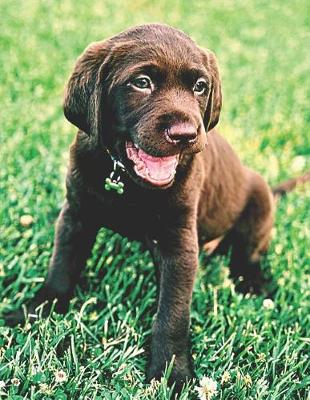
(159, 171)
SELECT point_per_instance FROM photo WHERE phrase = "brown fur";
(212, 194)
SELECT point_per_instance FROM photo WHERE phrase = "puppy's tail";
(285, 187)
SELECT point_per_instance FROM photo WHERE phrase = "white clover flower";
(207, 388)
(268, 304)
(261, 357)
(45, 389)
(2, 385)
(60, 376)
(26, 220)
(152, 388)
(15, 381)
(247, 380)
(225, 377)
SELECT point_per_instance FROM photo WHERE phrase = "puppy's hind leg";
(250, 237)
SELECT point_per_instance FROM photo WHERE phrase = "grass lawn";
(252, 351)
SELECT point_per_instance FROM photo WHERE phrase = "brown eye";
(200, 86)
(142, 83)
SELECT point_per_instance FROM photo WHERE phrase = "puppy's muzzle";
(181, 133)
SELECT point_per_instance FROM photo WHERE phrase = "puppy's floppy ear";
(214, 105)
(83, 94)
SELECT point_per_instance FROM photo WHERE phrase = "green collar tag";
(111, 184)
(114, 181)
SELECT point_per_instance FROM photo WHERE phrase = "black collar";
(116, 163)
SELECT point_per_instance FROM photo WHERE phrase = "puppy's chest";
(134, 217)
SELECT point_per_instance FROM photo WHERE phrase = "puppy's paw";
(14, 318)
(244, 286)
(32, 312)
(262, 287)
(180, 374)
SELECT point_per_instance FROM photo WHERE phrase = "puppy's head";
(149, 95)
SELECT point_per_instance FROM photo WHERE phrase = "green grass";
(263, 52)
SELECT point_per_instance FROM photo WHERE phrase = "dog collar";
(113, 182)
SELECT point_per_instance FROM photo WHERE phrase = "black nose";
(181, 133)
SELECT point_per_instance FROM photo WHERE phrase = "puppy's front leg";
(177, 255)
(75, 235)
(74, 238)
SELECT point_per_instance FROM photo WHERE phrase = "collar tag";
(113, 182)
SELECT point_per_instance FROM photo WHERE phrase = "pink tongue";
(159, 168)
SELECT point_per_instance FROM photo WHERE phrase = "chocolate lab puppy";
(147, 163)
